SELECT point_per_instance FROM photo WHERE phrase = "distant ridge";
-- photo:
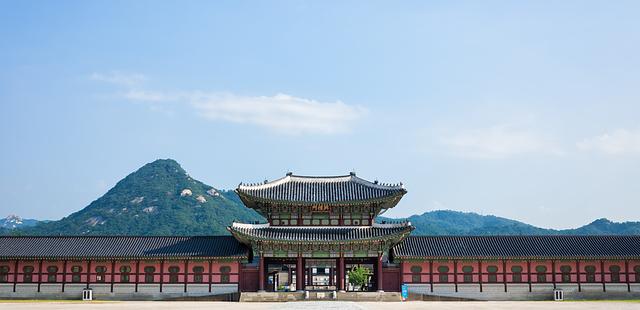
(447, 222)
(160, 198)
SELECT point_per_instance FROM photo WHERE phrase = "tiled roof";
(312, 190)
(518, 246)
(121, 247)
(319, 234)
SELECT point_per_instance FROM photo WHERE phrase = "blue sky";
(527, 110)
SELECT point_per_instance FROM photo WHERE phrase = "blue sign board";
(405, 292)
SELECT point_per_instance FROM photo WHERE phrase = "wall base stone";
(539, 291)
(120, 291)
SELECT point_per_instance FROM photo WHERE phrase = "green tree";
(358, 277)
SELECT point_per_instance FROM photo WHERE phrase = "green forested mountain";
(162, 199)
(158, 199)
(446, 222)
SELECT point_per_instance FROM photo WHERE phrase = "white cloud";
(497, 142)
(119, 78)
(281, 112)
(618, 142)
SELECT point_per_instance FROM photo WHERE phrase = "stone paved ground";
(320, 305)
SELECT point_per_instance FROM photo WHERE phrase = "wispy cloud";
(281, 112)
(119, 78)
(618, 142)
(497, 142)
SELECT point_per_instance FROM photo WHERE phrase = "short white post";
(558, 295)
(87, 294)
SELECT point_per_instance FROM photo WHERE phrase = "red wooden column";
(64, 274)
(88, 273)
(578, 271)
(211, 277)
(604, 287)
(504, 274)
(261, 273)
(39, 275)
(342, 277)
(626, 275)
(15, 275)
(431, 275)
(455, 274)
(113, 271)
(300, 273)
(480, 273)
(186, 274)
(137, 274)
(529, 274)
(161, 274)
(380, 272)
(553, 272)
(331, 273)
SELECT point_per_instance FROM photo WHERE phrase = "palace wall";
(496, 279)
(111, 279)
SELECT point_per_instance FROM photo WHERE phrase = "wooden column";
(64, 274)
(161, 274)
(261, 272)
(578, 270)
(239, 274)
(431, 274)
(504, 274)
(480, 274)
(626, 275)
(88, 273)
(113, 271)
(342, 277)
(186, 274)
(455, 274)
(15, 275)
(553, 272)
(299, 273)
(211, 274)
(380, 277)
(39, 275)
(137, 274)
(529, 274)
(331, 272)
(401, 276)
(604, 287)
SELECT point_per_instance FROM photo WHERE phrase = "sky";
(521, 109)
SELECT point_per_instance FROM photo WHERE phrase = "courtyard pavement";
(323, 305)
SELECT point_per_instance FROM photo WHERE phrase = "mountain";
(606, 227)
(162, 199)
(447, 222)
(13, 221)
(158, 199)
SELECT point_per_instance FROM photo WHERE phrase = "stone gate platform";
(318, 295)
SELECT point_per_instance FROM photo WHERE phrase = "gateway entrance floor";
(318, 295)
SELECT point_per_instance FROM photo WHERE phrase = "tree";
(358, 277)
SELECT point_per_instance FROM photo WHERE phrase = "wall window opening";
(173, 274)
(443, 274)
(541, 272)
